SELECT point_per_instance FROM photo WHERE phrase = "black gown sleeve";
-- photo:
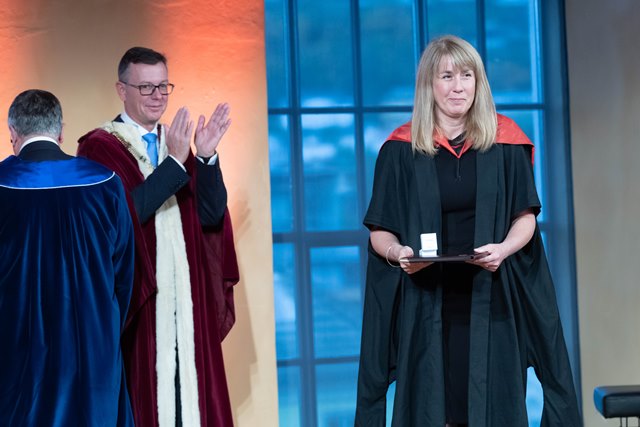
(377, 352)
(384, 208)
(520, 170)
(169, 178)
(212, 193)
(535, 307)
(164, 182)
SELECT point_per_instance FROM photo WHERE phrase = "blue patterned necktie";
(152, 147)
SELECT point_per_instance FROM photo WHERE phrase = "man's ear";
(120, 88)
(14, 134)
(15, 140)
(61, 136)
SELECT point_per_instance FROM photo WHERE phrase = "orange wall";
(215, 51)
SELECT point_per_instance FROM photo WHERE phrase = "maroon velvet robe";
(213, 273)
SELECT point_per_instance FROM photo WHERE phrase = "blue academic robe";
(66, 272)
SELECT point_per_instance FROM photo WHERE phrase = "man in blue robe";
(66, 273)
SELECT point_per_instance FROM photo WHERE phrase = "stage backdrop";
(215, 51)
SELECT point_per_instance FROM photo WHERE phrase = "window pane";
(326, 63)
(289, 396)
(284, 293)
(530, 121)
(391, 394)
(276, 45)
(457, 17)
(545, 240)
(512, 50)
(337, 394)
(535, 399)
(377, 128)
(280, 170)
(388, 52)
(330, 188)
(337, 302)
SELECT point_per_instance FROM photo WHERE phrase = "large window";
(341, 77)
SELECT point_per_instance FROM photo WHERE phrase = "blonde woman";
(457, 337)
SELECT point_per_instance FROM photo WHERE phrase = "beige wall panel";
(604, 59)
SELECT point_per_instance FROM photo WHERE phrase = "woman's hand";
(386, 245)
(406, 252)
(491, 258)
(522, 228)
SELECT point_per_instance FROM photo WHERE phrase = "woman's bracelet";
(386, 256)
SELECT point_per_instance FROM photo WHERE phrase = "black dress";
(457, 182)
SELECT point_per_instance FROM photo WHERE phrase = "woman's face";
(453, 90)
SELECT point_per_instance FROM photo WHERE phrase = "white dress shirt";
(125, 118)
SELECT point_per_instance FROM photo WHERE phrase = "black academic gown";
(169, 177)
(514, 317)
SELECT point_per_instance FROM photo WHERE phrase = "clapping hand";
(179, 135)
(208, 136)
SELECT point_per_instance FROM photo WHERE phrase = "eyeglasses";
(148, 89)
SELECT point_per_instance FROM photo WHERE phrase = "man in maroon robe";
(185, 262)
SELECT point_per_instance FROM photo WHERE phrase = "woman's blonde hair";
(481, 123)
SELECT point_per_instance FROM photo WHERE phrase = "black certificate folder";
(444, 258)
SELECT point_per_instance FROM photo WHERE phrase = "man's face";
(144, 110)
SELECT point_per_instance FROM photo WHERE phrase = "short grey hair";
(36, 112)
